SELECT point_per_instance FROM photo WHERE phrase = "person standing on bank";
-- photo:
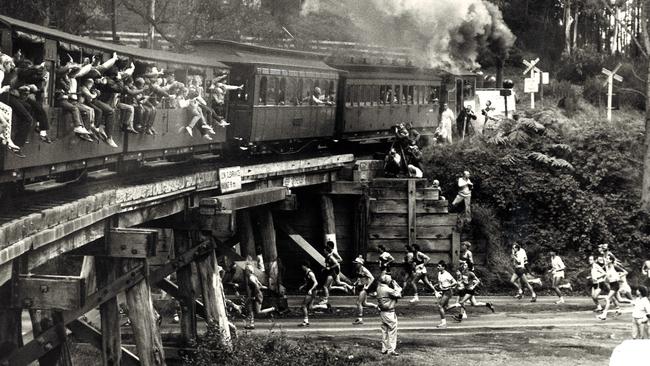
(464, 194)
(388, 292)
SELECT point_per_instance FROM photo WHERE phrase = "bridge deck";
(46, 232)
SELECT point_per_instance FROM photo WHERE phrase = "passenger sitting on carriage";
(148, 110)
(191, 104)
(66, 97)
(30, 83)
(5, 110)
(108, 88)
(218, 91)
(134, 97)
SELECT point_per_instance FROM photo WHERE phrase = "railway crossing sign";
(611, 76)
(531, 84)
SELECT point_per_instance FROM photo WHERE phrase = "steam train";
(271, 113)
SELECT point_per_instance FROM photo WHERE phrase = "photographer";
(464, 125)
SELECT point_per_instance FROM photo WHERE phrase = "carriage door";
(459, 95)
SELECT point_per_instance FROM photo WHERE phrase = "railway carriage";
(273, 111)
(69, 153)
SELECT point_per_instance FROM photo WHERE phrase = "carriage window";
(423, 94)
(291, 91)
(308, 87)
(282, 90)
(263, 90)
(348, 95)
(382, 94)
(416, 94)
(410, 96)
(355, 95)
(331, 93)
(433, 93)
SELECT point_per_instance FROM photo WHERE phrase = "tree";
(645, 192)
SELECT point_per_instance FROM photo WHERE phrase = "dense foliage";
(271, 349)
(534, 198)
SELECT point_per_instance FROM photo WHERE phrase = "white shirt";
(641, 307)
(463, 184)
(597, 273)
(557, 264)
(520, 258)
(445, 280)
(612, 274)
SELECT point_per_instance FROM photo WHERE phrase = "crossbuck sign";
(611, 76)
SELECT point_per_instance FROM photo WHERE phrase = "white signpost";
(230, 179)
(611, 76)
(530, 68)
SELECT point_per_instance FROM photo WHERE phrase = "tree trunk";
(568, 20)
(574, 41)
(645, 188)
(152, 28)
(114, 21)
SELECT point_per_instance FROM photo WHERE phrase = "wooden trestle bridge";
(132, 238)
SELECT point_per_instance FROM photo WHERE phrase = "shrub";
(272, 349)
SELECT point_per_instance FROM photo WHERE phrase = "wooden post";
(455, 246)
(213, 297)
(143, 322)
(11, 336)
(187, 294)
(106, 272)
(267, 235)
(412, 216)
(246, 237)
(329, 224)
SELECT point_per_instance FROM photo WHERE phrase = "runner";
(409, 269)
(557, 270)
(332, 270)
(385, 259)
(598, 278)
(362, 283)
(388, 292)
(256, 296)
(466, 254)
(520, 259)
(310, 286)
(446, 283)
(624, 295)
(613, 277)
(420, 261)
(607, 255)
(467, 283)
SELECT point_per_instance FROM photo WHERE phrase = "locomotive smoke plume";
(439, 33)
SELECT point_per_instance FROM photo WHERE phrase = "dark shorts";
(373, 286)
(520, 272)
(603, 286)
(464, 292)
(614, 286)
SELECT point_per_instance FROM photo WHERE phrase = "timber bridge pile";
(130, 238)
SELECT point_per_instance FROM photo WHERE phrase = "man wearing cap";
(363, 282)
(388, 292)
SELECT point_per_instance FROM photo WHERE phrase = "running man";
(308, 302)
(256, 296)
(420, 261)
(557, 271)
(520, 259)
(466, 254)
(598, 278)
(385, 259)
(409, 268)
(467, 283)
(333, 270)
(388, 292)
(446, 283)
(362, 283)
(613, 277)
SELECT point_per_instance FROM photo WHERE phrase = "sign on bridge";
(230, 179)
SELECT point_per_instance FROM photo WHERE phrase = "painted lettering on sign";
(294, 181)
(230, 179)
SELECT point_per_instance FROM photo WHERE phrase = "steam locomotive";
(271, 113)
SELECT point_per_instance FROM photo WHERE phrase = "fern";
(563, 147)
(539, 157)
(561, 163)
(498, 139)
(531, 124)
(518, 136)
(550, 161)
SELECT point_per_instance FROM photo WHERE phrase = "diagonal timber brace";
(49, 339)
